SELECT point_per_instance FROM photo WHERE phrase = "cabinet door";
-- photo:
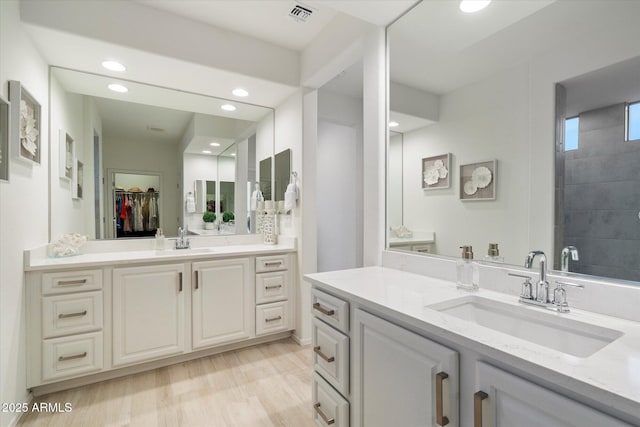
(148, 313)
(223, 301)
(512, 401)
(400, 377)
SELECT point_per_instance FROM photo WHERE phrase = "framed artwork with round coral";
(25, 123)
(436, 172)
(478, 181)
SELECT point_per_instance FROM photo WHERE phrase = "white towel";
(256, 197)
(290, 197)
(191, 203)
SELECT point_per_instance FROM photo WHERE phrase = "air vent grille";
(300, 12)
(155, 129)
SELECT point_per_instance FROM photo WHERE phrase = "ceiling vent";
(154, 129)
(300, 12)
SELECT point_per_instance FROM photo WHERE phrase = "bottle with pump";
(493, 254)
(467, 271)
(160, 240)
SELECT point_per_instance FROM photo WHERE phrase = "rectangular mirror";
(282, 173)
(264, 173)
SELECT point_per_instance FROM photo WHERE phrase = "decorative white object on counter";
(268, 224)
(66, 245)
(402, 231)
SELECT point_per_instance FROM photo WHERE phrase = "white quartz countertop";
(611, 375)
(37, 260)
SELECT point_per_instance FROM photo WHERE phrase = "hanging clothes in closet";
(136, 213)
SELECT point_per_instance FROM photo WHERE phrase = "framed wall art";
(25, 125)
(478, 181)
(4, 140)
(67, 155)
(79, 180)
(436, 172)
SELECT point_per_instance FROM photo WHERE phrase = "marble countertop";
(37, 260)
(611, 375)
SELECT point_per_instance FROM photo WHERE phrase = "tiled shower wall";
(602, 196)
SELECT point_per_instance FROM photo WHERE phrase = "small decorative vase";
(208, 226)
(269, 236)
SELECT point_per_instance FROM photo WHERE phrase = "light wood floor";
(265, 385)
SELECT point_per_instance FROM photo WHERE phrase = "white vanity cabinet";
(222, 301)
(273, 294)
(148, 313)
(400, 378)
(503, 399)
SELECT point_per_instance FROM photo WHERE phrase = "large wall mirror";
(482, 150)
(182, 155)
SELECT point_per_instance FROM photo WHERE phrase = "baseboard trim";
(18, 415)
(302, 342)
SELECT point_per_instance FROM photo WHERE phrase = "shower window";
(633, 121)
(571, 130)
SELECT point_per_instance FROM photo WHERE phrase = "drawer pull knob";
(324, 357)
(273, 264)
(67, 315)
(478, 397)
(273, 287)
(72, 282)
(75, 356)
(326, 419)
(441, 419)
(321, 309)
(273, 319)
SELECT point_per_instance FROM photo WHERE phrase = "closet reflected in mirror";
(181, 137)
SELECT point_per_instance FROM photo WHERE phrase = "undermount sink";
(538, 326)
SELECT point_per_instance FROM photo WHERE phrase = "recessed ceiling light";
(113, 66)
(240, 92)
(206, 152)
(393, 124)
(228, 107)
(214, 144)
(118, 88)
(233, 154)
(471, 6)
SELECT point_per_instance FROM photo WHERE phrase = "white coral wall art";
(25, 123)
(436, 172)
(478, 181)
(4, 140)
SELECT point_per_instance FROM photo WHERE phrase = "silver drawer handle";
(324, 357)
(326, 419)
(321, 309)
(72, 282)
(273, 319)
(67, 315)
(273, 287)
(273, 264)
(75, 356)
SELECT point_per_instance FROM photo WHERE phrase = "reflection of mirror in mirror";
(137, 204)
(487, 92)
(264, 173)
(282, 173)
(150, 128)
(394, 193)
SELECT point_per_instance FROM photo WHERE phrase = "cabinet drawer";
(331, 355)
(71, 314)
(332, 310)
(329, 408)
(271, 287)
(71, 281)
(272, 318)
(272, 263)
(71, 356)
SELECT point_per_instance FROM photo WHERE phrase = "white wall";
(162, 159)
(395, 181)
(479, 122)
(92, 126)
(23, 207)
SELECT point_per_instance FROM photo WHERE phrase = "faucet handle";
(560, 295)
(527, 287)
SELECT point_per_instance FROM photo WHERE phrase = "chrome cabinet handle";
(272, 287)
(273, 319)
(197, 280)
(321, 309)
(67, 315)
(75, 356)
(478, 397)
(441, 419)
(180, 281)
(72, 282)
(273, 264)
(324, 357)
(326, 419)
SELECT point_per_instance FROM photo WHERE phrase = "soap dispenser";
(467, 270)
(493, 254)
(160, 240)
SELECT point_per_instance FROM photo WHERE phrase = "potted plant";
(228, 216)
(208, 218)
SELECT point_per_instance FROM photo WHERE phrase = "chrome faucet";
(181, 242)
(564, 257)
(542, 287)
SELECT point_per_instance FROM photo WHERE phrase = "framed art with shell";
(25, 125)
(478, 181)
(436, 172)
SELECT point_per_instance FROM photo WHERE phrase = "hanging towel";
(290, 197)
(256, 197)
(191, 203)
